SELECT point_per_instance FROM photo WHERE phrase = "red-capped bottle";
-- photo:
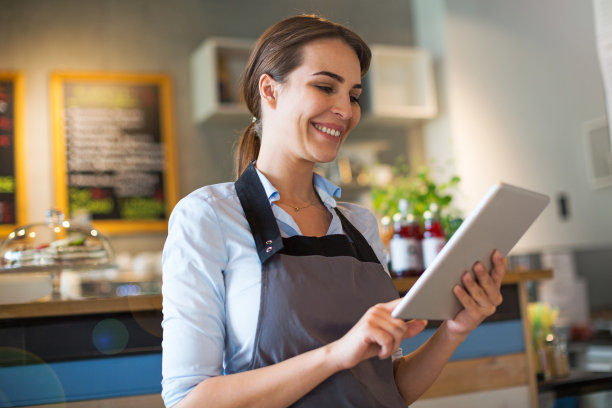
(433, 235)
(405, 245)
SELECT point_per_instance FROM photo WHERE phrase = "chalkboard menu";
(114, 150)
(12, 187)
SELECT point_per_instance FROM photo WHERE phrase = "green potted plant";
(421, 191)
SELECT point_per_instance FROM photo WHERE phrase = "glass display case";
(51, 257)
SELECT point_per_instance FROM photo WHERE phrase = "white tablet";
(499, 220)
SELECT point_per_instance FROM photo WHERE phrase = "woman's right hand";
(377, 333)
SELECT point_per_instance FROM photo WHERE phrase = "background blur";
(517, 82)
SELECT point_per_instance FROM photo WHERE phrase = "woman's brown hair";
(277, 53)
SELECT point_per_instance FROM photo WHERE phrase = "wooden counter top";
(154, 302)
(81, 306)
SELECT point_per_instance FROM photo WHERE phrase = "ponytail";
(248, 147)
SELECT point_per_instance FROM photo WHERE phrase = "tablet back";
(499, 220)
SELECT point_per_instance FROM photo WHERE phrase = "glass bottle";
(405, 245)
(433, 235)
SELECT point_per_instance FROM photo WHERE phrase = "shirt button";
(268, 242)
(268, 249)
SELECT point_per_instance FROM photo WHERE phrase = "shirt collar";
(327, 190)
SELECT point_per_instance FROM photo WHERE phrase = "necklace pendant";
(296, 209)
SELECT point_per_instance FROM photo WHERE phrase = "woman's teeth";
(327, 130)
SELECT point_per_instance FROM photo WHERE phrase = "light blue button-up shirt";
(212, 280)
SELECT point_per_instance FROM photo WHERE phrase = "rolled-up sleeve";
(194, 258)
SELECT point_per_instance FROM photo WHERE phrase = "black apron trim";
(329, 245)
(363, 248)
(258, 212)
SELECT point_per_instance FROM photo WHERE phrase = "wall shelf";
(216, 68)
(400, 85)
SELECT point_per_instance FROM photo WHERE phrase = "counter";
(81, 350)
(154, 302)
(111, 347)
(577, 383)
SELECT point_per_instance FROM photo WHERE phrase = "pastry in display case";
(34, 257)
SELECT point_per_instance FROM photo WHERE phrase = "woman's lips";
(329, 129)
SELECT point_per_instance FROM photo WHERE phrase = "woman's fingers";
(488, 284)
(499, 268)
(391, 342)
(414, 328)
(387, 343)
(476, 291)
(464, 297)
(388, 332)
(480, 294)
(377, 333)
(389, 306)
(490, 281)
(482, 290)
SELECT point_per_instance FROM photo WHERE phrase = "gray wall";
(41, 36)
(518, 80)
(521, 79)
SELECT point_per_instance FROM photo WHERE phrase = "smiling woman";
(276, 294)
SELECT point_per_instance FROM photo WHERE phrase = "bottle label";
(431, 247)
(405, 254)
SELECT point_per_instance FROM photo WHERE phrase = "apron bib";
(313, 290)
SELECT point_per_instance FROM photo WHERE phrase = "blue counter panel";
(488, 339)
(80, 380)
(141, 374)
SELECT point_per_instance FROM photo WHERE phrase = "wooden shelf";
(404, 284)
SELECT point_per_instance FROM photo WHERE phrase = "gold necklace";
(297, 209)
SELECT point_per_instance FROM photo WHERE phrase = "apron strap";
(258, 212)
(259, 215)
(363, 248)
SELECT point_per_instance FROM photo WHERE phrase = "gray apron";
(313, 290)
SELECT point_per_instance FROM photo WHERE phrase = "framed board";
(598, 152)
(13, 201)
(114, 149)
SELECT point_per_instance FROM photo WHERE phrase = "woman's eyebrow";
(335, 76)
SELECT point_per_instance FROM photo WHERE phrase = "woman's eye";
(330, 90)
(326, 89)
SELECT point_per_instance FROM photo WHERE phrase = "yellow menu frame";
(21, 197)
(163, 82)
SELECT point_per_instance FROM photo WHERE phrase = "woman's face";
(317, 106)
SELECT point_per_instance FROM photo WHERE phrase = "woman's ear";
(268, 89)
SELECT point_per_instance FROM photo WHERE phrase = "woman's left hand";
(479, 296)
